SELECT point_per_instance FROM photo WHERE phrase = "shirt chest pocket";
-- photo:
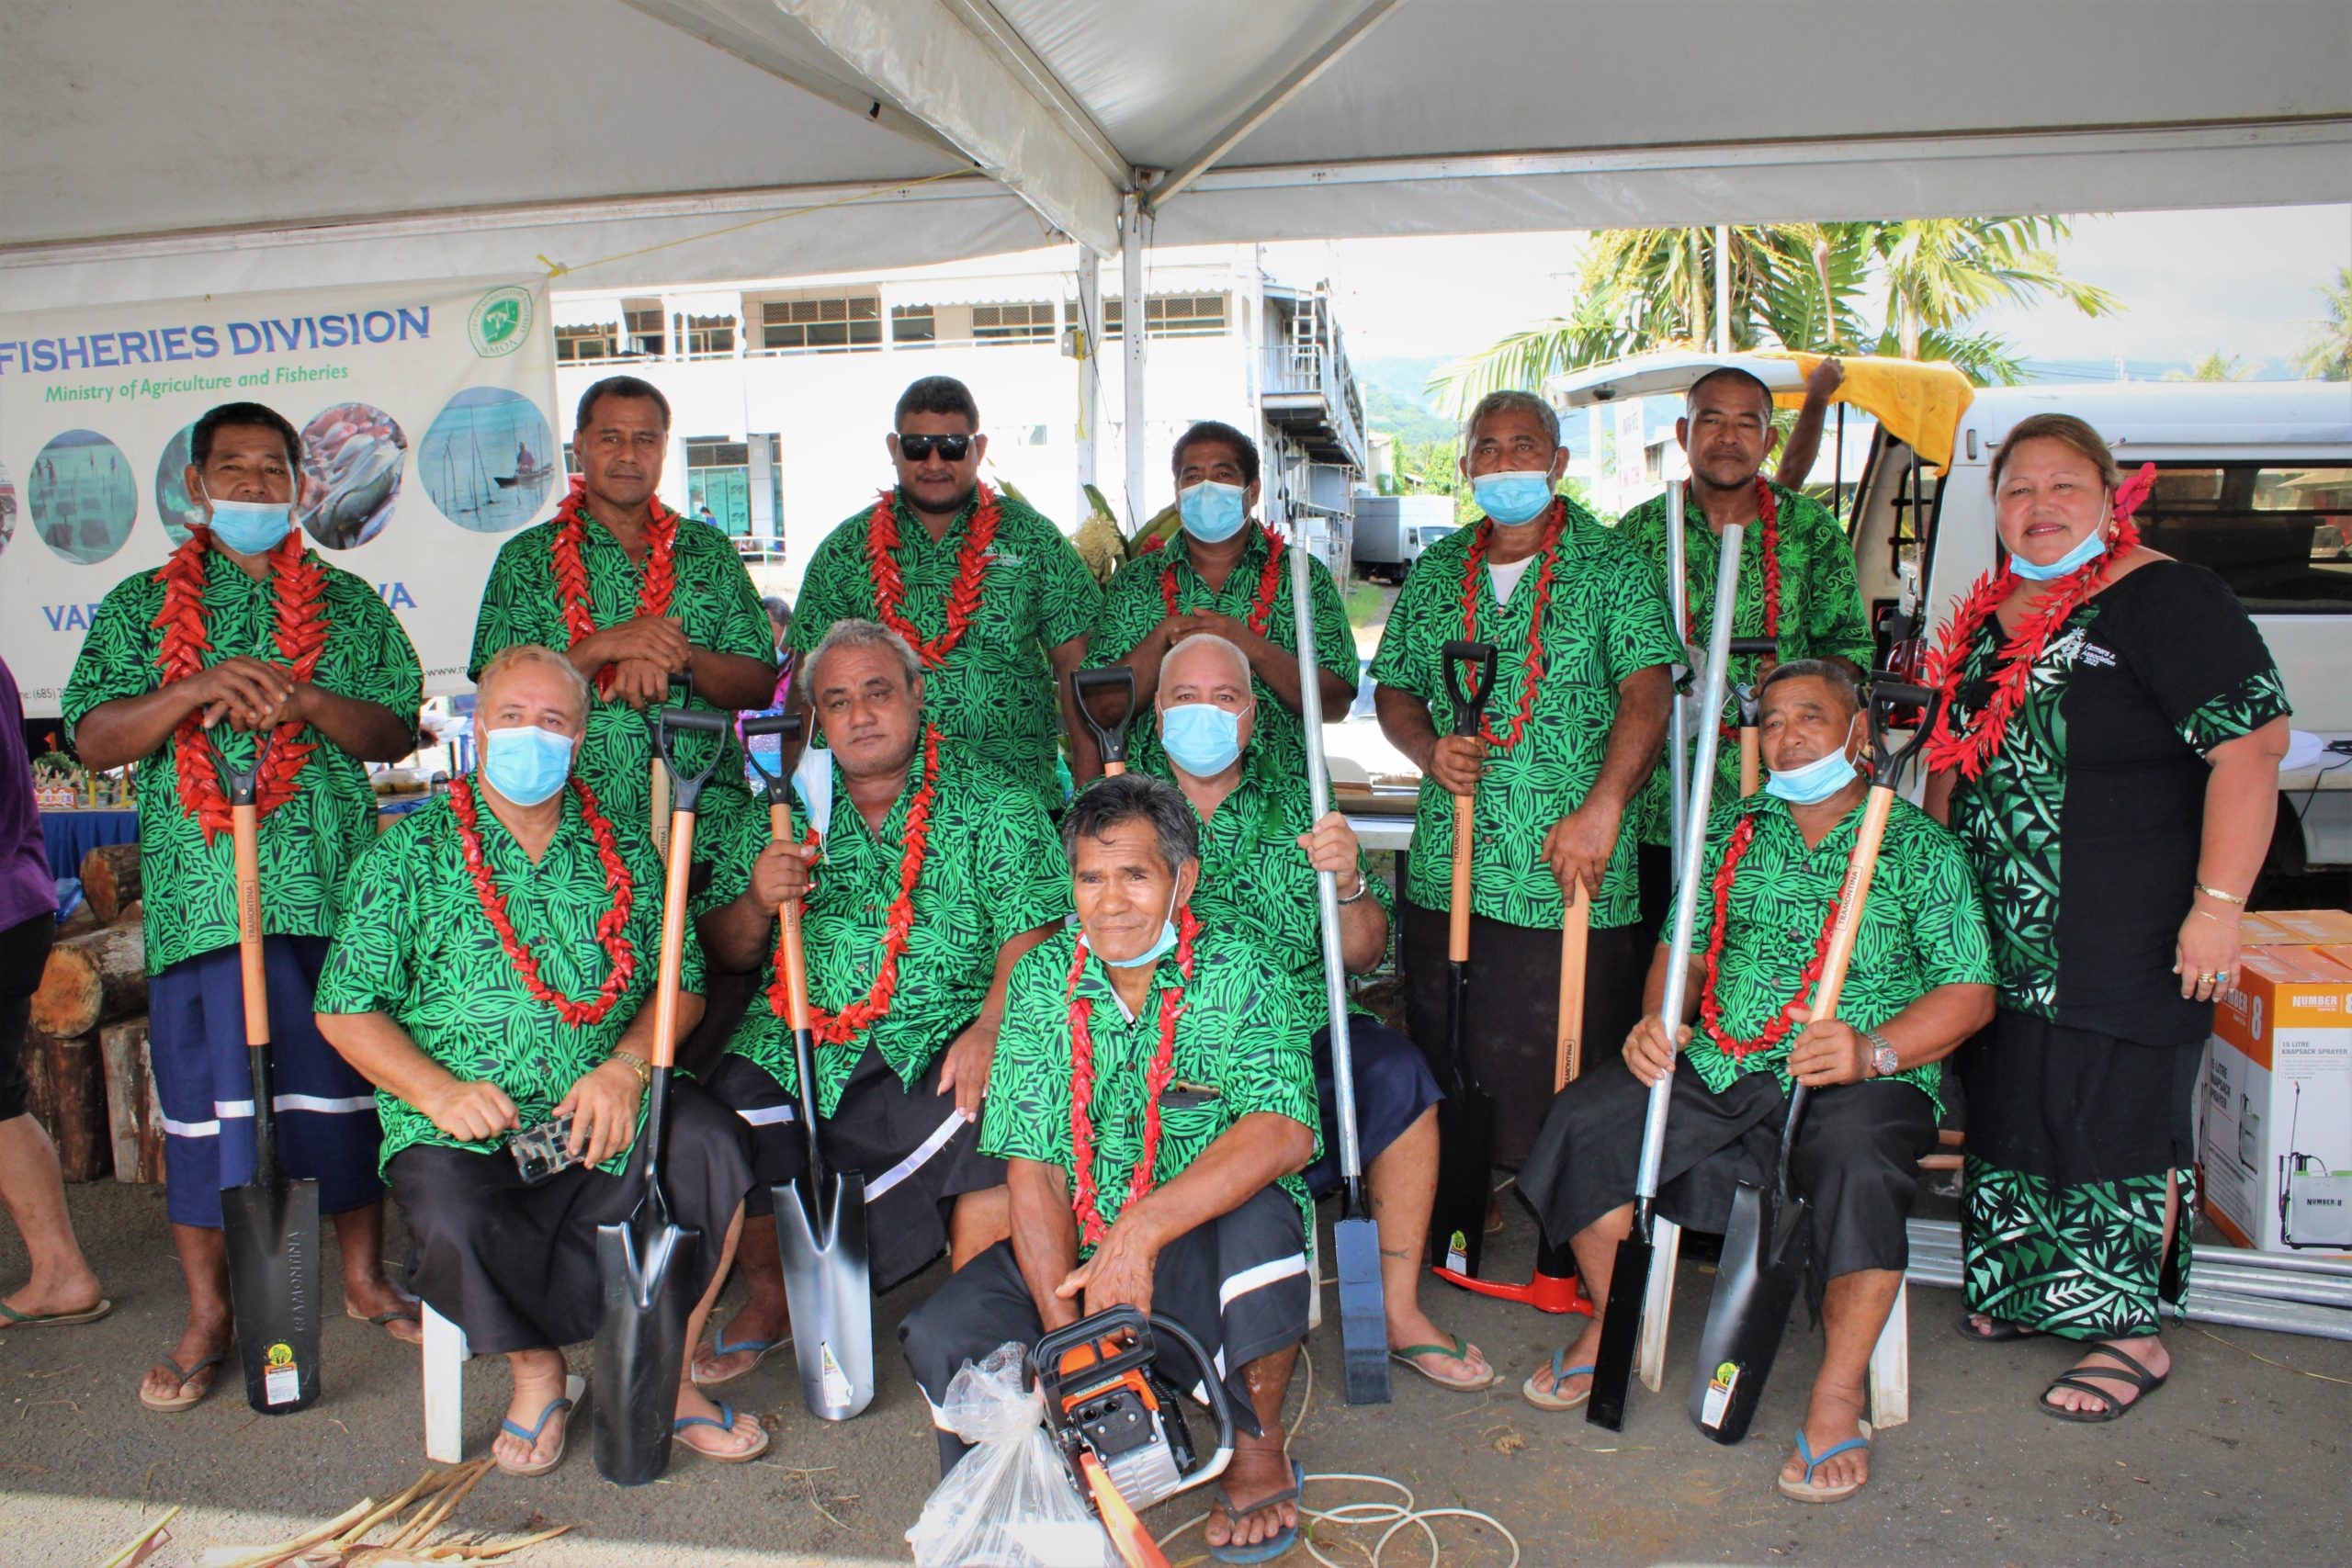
(1191, 1112)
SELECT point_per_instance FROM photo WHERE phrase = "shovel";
(1765, 1245)
(1110, 739)
(1466, 1115)
(819, 1215)
(1629, 1285)
(1363, 1314)
(1553, 1287)
(642, 1326)
(1760, 646)
(270, 1224)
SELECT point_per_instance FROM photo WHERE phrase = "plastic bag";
(1009, 1502)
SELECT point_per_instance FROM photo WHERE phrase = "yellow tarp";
(1918, 404)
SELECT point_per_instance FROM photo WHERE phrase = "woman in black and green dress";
(2108, 754)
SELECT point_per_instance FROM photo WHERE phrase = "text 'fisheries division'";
(164, 345)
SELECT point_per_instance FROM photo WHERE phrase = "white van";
(2254, 481)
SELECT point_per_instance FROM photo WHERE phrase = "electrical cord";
(1397, 1516)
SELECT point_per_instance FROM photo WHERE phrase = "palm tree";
(2214, 367)
(1800, 286)
(2328, 356)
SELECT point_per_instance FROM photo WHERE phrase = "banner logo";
(500, 323)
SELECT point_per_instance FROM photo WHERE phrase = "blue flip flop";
(726, 1423)
(1273, 1546)
(531, 1436)
(761, 1350)
(1804, 1491)
(1548, 1399)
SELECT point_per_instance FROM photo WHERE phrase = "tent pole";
(1089, 326)
(1722, 289)
(1133, 223)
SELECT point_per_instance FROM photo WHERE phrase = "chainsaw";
(1115, 1417)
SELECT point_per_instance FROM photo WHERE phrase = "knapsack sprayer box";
(2276, 1108)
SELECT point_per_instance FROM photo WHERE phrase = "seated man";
(1161, 1170)
(1920, 982)
(473, 981)
(1260, 849)
(937, 873)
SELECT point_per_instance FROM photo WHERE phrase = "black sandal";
(2143, 1382)
(2002, 1332)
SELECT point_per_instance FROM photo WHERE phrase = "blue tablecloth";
(70, 835)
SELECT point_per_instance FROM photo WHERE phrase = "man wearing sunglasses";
(992, 597)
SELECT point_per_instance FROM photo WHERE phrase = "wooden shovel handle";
(674, 939)
(796, 961)
(1575, 926)
(244, 828)
(1860, 867)
(1457, 932)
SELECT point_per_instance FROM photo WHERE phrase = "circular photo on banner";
(352, 455)
(7, 510)
(173, 505)
(488, 460)
(82, 497)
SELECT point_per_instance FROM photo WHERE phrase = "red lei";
(1533, 670)
(1083, 1201)
(962, 598)
(653, 594)
(301, 636)
(1269, 583)
(611, 927)
(1974, 750)
(840, 1029)
(1711, 1012)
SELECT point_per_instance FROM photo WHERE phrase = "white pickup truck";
(2254, 481)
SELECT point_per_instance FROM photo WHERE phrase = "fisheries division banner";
(427, 414)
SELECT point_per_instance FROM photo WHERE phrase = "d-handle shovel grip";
(1110, 739)
(1886, 766)
(785, 728)
(685, 788)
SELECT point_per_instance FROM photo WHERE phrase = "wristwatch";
(1884, 1062)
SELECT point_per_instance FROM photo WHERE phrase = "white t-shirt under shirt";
(1506, 578)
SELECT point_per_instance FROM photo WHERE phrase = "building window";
(576, 345)
(913, 323)
(645, 333)
(707, 337)
(832, 323)
(2280, 535)
(1032, 322)
(1170, 315)
(718, 476)
(570, 459)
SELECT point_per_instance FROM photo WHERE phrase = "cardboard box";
(2298, 928)
(2276, 1108)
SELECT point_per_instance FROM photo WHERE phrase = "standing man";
(62, 1289)
(1225, 575)
(930, 875)
(1796, 576)
(638, 603)
(244, 638)
(992, 599)
(1262, 847)
(1155, 1103)
(1578, 708)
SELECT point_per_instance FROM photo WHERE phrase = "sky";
(2243, 281)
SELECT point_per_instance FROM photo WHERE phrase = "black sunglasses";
(919, 449)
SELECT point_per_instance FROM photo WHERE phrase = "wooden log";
(92, 981)
(82, 921)
(134, 1116)
(66, 1083)
(110, 879)
(132, 913)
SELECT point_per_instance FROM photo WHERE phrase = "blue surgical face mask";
(1513, 497)
(1816, 781)
(2087, 549)
(1213, 512)
(251, 528)
(525, 764)
(1201, 737)
(1158, 950)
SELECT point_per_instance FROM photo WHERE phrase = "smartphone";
(544, 1151)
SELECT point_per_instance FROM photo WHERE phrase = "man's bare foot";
(711, 1435)
(1410, 1329)
(539, 1381)
(2103, 1372)
(206, 1335)
(1831, 1417)
(1259, 1469)
(370, 1297)
(755, 1330)
(1576, 1368)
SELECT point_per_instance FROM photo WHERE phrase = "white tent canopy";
(155, 148)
